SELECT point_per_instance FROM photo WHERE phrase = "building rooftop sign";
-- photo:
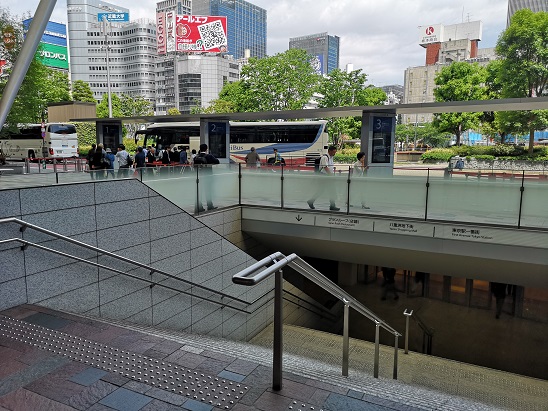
(438, 33)
(117, 17)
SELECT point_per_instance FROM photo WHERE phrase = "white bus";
(59, 141)
(298, 142)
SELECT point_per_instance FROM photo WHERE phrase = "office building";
(200, 78)
(132, 50)
(323, 47)
(53, 52)
(443, 45)
(178, 6)
(534, 5)
(246, 24)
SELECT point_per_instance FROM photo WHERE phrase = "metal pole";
(108, 67)
(34, 35)
(407, 315)
(348, 191)
(345, 340)
(282, 187)
(376, 360)
(278, 332)
(521, 190)
(395, 372)
(239, 184)
(427, 189)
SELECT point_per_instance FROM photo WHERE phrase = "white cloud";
(378, 36)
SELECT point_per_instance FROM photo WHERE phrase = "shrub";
(343, 158)
(484, 157)
(437, 155)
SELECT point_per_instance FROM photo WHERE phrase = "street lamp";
(107, 47)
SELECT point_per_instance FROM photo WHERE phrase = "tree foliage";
(424, 133)
(341, 88)
(125, 106)
(459, 81)
(81, 91)
(285, 81)
(40, 86)
(173, 111)
(523, 71)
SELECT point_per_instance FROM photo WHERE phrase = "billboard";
(161, 32)
(55, 33)
(52, 55)
(114, 17)
(317, 64)
(191, 33)
(430, 34)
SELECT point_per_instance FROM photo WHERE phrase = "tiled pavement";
(33, 378)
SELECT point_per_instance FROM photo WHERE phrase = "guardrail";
(273, 265)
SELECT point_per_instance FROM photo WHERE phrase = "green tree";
(132, 107)
(81, 91)
(29, 105)
(459, 81)
(173, 111)
(341, 88)
(116, 103)
(285, 81)
(523, 48)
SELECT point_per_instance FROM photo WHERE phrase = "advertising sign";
(430, 34)
(52, 55)
(200, 34)
(55, 33)
(118, 17)
(317, 64)
(170, 31)
(161, 32)
(382, 139)
(9, 37)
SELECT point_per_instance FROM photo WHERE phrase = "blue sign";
(55, 33)
(113, 16)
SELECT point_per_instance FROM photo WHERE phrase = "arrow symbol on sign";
(298, 218)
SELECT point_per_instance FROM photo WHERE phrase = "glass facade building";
(323, 47)
(246, 24)
(534, 5)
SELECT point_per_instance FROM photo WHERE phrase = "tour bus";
(50, 140)
(298, 142)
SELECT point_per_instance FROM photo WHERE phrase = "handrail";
(24, 225)
(273, 264)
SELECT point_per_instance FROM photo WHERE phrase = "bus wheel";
(32, 156)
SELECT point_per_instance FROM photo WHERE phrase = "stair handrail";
(273, 265)
(24, 225)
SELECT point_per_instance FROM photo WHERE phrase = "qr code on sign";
(212, 34)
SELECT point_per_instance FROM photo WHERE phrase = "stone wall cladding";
(128, 219)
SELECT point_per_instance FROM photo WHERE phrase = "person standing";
(123, 161)
(327, 169)
(204, 161)
(277, 158)
(359, 171)
(183, 157)
(389, 275)
(252, 158)
(140, 158)
(111, 158)
(499, 292)
(99, 162)
(89, 158)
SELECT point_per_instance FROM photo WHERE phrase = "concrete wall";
(127, 218)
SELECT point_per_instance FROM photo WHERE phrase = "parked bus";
(298, 142)
(56, 140)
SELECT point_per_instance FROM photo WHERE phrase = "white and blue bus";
(298, 142)
(50, 140)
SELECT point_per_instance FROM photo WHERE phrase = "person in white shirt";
(327, 168)
(359, 171)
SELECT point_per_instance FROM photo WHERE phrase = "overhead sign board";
(113, 17)
(55, 33)
(430, 34)
(52, 55)
(191, 33)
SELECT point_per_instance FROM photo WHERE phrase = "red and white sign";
(161, 32)
(191, 33)
(430, 34)
(201, 34)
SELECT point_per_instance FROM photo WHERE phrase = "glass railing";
(425, 194)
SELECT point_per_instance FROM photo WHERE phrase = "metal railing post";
(197, 206)
(54, 165)
(346, 341)
(407, 315)
(239, 184)
(427, 190)
(348, 191)
(376, 359)
(521, 189)
(282, 188)
(395, 372)
(278, 332)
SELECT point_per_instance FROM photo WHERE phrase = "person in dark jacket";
(140, 158)
(99, 162)
(389, 275)
(499, 292)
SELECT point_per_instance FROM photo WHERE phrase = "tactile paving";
(212, 390)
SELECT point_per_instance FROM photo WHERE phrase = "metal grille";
(218, 392)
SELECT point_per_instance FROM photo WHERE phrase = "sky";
(380, 37)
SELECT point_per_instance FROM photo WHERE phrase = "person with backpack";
(326, 168)
(203, 161)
